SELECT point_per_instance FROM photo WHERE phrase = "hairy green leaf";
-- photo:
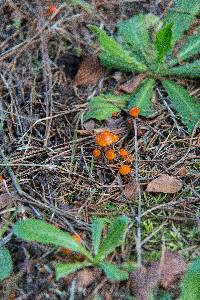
(190, 48)
(163, 42)
(186, 106)
(113, 273)
(186, 70)
(113, 55)
(98, 224)
(42, 232)
(6, 265)
(135, 32)
(181, 15)
(114, 237)
(190, 285)
(142, 98)
(103, 106)
(64, 269)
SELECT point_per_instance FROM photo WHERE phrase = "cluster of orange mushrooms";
(107, 138)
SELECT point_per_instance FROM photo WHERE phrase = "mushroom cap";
(124, 170)
(106, 138)
(110, 154)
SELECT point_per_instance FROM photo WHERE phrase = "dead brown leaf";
(156, 274)
(165, 184)
(130, 190)
(131, 85)
(90, 72)
(85, 278)
(172, 267)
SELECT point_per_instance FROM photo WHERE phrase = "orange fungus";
(53, 9)
(106, 138)
(124, 170)
(123, 152)
(96, 153)
(134, 111)
(110, 154)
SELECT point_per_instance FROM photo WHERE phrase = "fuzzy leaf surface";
(181, 15)
(103, 106)
(190, 48)
(45, 233)
(142, 98)
(163, 42)
(186, 106)
(113, 55)
(113, 273)
(186, 70)
(98, 224)
(6, 264)
(190, 287)
(64, 269)
(114, 237)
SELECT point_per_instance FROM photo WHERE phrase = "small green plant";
(42, 232)
(145, 44)
(6, 264)
(190, 284)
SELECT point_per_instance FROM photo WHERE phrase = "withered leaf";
(130, 190)
(131, 85)
(156, 274)
(90, 72)
(165, 184)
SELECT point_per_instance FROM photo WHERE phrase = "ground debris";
(156, 274)
(90, 72)
(165, 184)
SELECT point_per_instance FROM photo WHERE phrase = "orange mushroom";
(124, 170)
(106, 138)
(52, 9)
(123, 152)
(96, 153)
(134, 111)
(110, 154)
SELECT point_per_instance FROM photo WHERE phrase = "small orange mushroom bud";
(96, 153)
(52, 9)
(124, 170)
(106, 138)
(123, 152)
(134, 111)
(110, 154)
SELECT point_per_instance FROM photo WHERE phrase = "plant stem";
(139, 229)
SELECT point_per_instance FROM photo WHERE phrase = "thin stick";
(139, 228)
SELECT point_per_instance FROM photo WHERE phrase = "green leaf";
(163, 42)
(113, 273)
(42, 232)
(142, 98)
(6, 265)
(98, 224)
(190, 48)
(187, 70)
(114, 237)
(135, 34)
(190, 285)
(186, 106)
(113, 55)
(181, 15)
(63, 269)
(103, 106)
